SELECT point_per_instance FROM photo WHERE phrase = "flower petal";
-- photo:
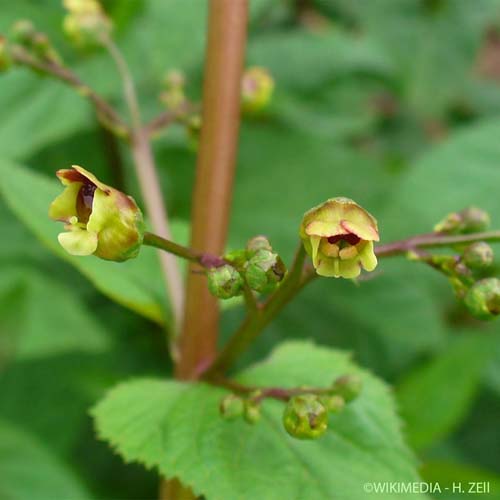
(64, 206)
(367, 256)
(78, 242)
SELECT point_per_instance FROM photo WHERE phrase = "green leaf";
(176, 427)
(45, 318)
(28, 470)
(435, 397)
(460, 479)
(134, 285)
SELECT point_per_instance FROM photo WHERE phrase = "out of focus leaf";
(47, 318)
(464, 480)
(28, 470)
(435, 397)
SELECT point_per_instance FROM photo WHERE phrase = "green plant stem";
(433, 240)
(257, 319)
(150, 187)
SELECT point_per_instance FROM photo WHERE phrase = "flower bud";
(305, 417)
(252, 408)
(193, 130)
(173, 96)
(100, 220)
(258, 243)
(334, 404)
(483, 299)
(231, 406)
(85, 22)
(264, 271)
(257, 87)
(23, 31)
(339, 236)
(479, 255)
(224, 282)
(348, 387)
(5, 59)
(469, 220)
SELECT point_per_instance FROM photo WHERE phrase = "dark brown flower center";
(350, 238)
(84, 202)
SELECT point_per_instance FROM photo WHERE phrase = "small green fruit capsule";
(231, 406)
(264, 271)
(99, 220)
(483, 299)
(224, 282)
(252, 410)
(469, 220)
(334, 404)
(305, 417)
(258, 243)
(348, 387)
(479, 255)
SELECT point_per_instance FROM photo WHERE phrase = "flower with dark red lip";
(99, 219)
(339, 236)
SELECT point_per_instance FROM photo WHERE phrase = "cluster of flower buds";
(256, 265)
(470, 270)
(306, 412)
(233, 406)
(86, 23)
(257, 86)
(99, 219)
(37, 44)
(173, 94)
(306, 415)
(339, 236)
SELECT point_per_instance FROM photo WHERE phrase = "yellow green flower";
(99, 219)
(339, 236)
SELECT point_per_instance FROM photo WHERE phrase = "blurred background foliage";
(393, 103)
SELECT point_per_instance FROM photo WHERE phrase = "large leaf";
(28, 470)
(176, 427)
(435, 397)
(135, 284)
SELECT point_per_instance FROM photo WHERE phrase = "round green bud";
(334, 404)
(23, 31)
(305, 417)
(224, 282)
(264, 271)
(483, 299)
(469, 220)
(258, 243)
(348, 387)
(231, 406)
(252, 410)
(479, 255)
